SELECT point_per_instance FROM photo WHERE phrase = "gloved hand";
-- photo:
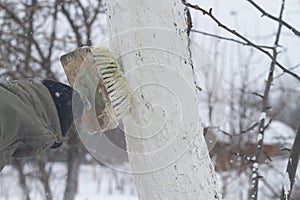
(68, 104)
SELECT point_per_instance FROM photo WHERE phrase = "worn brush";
(94, 73)
(113, 79)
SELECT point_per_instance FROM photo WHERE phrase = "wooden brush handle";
(81, 71)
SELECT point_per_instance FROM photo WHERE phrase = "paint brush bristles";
(94, 74)
(113, 79)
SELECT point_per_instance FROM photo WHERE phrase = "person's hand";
(68, 104)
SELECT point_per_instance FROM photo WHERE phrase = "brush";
(113, 79)
(95, 74)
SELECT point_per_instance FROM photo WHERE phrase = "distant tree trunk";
(74, 155)
(291, 168)
(31, 49)
(44, 176)
(22, 179)
(165, 144)
(253, 194)
(82, 30)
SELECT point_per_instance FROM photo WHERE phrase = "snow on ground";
(106, 197)
(279, 133)
(235, 185)
(98, 182)
(95, 182)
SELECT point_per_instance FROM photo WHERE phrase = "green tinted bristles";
(114, 81)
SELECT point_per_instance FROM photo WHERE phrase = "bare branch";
(234, 32)
(12, 15)
(268, 124)
(53, 33)
(29, 42)
(285, 149)
(280, 20)
(21, 24)
(83, 10)
(257, 94)
(267, 156)
(229, 39)
(32, 57)
(271, 189)
(96, 12)
(292, 68)
(234, 135)
(74, 27)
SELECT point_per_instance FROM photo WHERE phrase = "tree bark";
(291, 168)
(44, 176)
(166, 148)
(253, 194)
(74, 154)
(22, 179)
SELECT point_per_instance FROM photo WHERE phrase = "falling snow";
(57, 94)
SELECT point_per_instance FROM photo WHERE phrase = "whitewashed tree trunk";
(166, 148)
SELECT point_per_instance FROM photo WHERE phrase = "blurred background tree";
(33, 35)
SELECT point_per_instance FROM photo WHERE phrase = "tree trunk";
(44, 176)
(74, 154)
(166, 148)
(22, 179)
(291, 168)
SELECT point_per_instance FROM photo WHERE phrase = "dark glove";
(68, 104)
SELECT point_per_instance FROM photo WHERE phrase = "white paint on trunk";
(164, 138)
(262, 116)
(286, 185)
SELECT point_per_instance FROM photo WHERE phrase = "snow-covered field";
(95, 182)
(235, 185)
(99, 182)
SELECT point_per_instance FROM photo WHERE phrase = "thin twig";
(20, 23)
(234, 32)
(257, 94)
(229, 39)
(267, 156)
(268, 124)
(285, 149)
(71, 21)
(241, 132)
(292, 68)
(284, 23)
(234, 135)
(272, 190)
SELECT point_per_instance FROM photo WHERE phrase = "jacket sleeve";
(28, 120)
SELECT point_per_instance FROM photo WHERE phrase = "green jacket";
(29, 121)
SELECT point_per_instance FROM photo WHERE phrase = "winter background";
(228, 80)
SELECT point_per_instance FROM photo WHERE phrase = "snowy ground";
(95, 182)
(98, 182)
(235, 185)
